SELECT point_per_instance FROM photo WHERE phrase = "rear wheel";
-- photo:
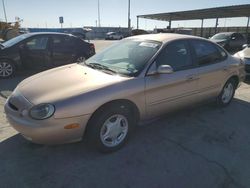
(7, 69)
(110, 128)
(227, 93)
(80, 59)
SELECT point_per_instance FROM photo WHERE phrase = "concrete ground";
(203, 147)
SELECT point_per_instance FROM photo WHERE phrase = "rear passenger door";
(212, 68)
(63, 50)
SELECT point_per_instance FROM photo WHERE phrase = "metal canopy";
(209, 13)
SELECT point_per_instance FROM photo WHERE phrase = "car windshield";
(15, 40)
(221, 36)
(127, 57)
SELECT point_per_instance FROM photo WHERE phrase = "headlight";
(42, 111)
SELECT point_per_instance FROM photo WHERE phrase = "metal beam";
(129, 21)
(170, 23)
(202, 27)
(4, 12)
(216, 25)
(99, 17)
(137, 22)
(247, 25)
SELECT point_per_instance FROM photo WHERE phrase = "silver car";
(136, 79)
(245, 56)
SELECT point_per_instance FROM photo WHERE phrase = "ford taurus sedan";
(134, 80)
(40, 51)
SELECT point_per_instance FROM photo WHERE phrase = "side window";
(206, 52)
(239, 37)
(177, 55)
(37, 43)
(57, 42)
(62, 42)
(69, 42)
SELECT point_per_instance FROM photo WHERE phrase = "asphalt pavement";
(202, 147)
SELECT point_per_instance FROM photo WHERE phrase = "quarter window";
(206, 52)
(177, 55)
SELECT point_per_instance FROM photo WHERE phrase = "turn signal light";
(72, 126)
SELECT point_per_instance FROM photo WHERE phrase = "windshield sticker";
(148, 44)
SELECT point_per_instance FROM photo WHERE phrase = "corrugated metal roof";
(219, 12)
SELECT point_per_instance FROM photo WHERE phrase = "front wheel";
(109, 130)
(227, 93)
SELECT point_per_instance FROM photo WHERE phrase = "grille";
(13, 107)
(247, 67)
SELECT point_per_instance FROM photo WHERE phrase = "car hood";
(219, 40)
(64, 82)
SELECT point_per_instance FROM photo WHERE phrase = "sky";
(79, 13)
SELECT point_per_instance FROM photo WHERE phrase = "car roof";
(164, 37)
(46, 33)
(226, 33)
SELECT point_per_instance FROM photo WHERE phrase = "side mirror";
(233, 38)
(165, 69)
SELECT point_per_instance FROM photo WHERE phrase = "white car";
(114, 36)
(245, 56)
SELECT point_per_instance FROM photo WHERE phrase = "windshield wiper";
(101, 67)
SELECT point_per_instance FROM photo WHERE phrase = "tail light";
(92, 46)
(92, 49)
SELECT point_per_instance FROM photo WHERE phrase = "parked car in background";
(231, 41)
(136, 79)
(114, 36)
(245, 56)
(40, 51)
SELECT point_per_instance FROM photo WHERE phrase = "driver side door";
(167, 92)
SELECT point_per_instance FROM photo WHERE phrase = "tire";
(227, 93)
(7, 68)
(110, 128)
(80, 59)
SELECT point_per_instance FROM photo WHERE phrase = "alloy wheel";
(80, 59)
(6, 69)
(227, 93)
(114, 130)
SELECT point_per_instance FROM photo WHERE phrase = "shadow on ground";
(202, 147)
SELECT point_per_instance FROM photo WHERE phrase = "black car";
(229, 40)
(41, 51)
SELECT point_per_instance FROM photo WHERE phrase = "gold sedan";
(134, 80)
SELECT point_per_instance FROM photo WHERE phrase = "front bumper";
(50, 131)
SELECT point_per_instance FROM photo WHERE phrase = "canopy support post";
(202, 27)
(216, 25)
